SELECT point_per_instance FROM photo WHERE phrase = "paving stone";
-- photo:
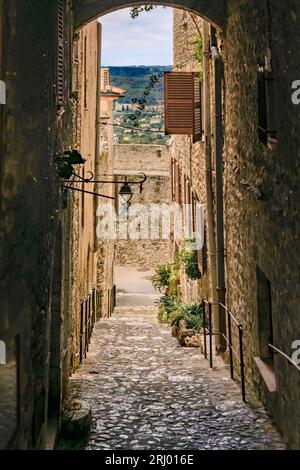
(146, 392)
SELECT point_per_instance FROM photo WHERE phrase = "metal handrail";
(225, 308)
(281, 353)
(209, 332)
(87, 321)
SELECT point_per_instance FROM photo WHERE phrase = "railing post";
(100, 305)
(204, 329)
(210, 336)
(242, 363)
(81, 334)
(230, 344)
(86, 327)
(108, 303)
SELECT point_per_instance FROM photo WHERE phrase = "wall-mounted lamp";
(64, 168)
(126, 192)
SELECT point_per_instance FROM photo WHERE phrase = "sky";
(146, 40)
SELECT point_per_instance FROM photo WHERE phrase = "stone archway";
(214, 11)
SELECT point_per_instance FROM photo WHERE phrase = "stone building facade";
(154, 162)
(49, 254)
(261, 197)
(109, 94)
(189, 156)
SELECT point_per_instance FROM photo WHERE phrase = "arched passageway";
(211, 10)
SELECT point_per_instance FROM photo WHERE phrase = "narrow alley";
(149, 227)
(146, 392)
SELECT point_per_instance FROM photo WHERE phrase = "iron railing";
(209, 332)
(285, 356)
(111, 301)
(90, 313)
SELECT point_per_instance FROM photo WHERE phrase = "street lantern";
(126, 192)
(64, 162)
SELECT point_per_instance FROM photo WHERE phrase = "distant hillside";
(136, 79)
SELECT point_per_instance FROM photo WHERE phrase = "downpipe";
(209, 178)
(218, 153)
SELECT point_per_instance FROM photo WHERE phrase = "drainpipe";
(209, 180)
(97, 136)
(218, 153)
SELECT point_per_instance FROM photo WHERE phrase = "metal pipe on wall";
(208, 175)
(218, 153)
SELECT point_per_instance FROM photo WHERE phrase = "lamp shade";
(126, 192)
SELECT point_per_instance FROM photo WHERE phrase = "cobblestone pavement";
(146, 392)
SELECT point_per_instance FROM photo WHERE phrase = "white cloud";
(146, 40)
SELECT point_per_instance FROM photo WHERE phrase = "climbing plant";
(199, 53)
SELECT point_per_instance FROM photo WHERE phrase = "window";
(183, 108)
(188, 207)
(200, 232)
(265, 361)
(265, 324)
(172, 180)
(177, 183)
(266, 106)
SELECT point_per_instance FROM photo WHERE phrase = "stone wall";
(47, 257)
(261, 191)
(84, 251)
(30, 204)
(154, 161)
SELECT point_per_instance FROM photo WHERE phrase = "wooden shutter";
(60, 54)
(179, 185)
(183, 104)
(176, 187)
(198, 128)
(194, 200)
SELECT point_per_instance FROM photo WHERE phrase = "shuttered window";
(194, 200)
(172, 180)
(60, 55)
(177, 185)
(188, 207)
(183, 109)
(200, 233)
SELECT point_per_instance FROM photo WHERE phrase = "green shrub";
(192, 314)
(189, 258)
(169, 304)
(161, 278)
